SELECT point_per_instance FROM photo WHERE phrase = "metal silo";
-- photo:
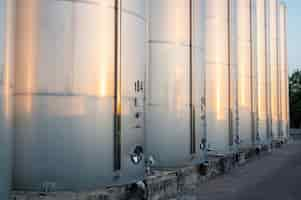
(175, 99)
(262, 73)
(255, 137)
(6, 83)
(283, 71)
(245, 73)
(218, 74)
(79, 94)
(273, 60)
(233, 76)
(268, 70)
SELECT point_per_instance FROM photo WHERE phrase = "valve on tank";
(137, 155)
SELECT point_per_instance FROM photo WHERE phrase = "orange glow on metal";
(218, 93)
(274, 62)
(218, 67)
(119, 105)
(283, 66)
(218, 100)
(180, 30)
(261, 81)
(8, 60)
(274, 95)
(6, 84)
(244, 61)
(102, 90)
(32, 45)
(103, 77)
(242, 83)
(106, 63)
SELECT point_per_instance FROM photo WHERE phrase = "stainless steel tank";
(255, 137)
(175, 99)
(273, 43)
(283, 71)
(79, 94)
(268, 63)
(262, 73)
(217, 60)
(233, 76)
(287, 102)
(6, 99)
(245, 79)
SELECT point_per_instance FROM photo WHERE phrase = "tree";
(295, 99)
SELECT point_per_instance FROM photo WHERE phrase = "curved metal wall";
(283, 71)
(217, 74)
(75, 60)
(255, 137)
(175, 82)
(198, 75)
(287, 117)
(233, 77)
(268, 63)
(6, 100)
(273, 37)
(262, 81)
(244, 72)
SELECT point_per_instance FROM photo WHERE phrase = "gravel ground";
(270, 177)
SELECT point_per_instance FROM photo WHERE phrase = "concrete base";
(189, 178)
(114, 193)
(218, 165)
(161, 184)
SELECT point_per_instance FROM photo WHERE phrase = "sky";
(294, 34)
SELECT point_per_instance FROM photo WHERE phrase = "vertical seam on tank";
(251, 68)
(255, 70)
(120, 79)
(204, 80)
(279, 90)
(267, 101)
(117, 49)
(251, 71)
(275, 40)
(229, 73)
(285, 71)
(255, 21)
(255, 16)
(146, 72)
(280, 73)
(270, 70)
(191, 103)
(286, 74)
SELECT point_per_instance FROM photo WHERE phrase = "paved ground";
(276, 176)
